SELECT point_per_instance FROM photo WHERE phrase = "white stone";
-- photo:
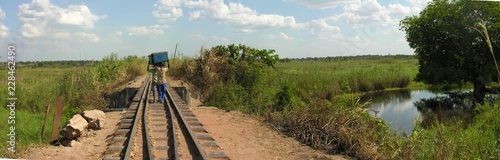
(75, 127)
(95, 118)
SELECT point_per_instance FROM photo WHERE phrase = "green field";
(316, 101)
(82, 87)
(35, 89)
(350, 74)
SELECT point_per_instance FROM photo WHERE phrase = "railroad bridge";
(155, 130)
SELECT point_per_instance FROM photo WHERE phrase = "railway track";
(153, 130)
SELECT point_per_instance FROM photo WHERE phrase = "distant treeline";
(76, 63)
(347, 57)
(54, 64)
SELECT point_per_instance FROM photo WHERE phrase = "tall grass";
(479, 139)
(319, 78)
(81, 88)
(315, 101)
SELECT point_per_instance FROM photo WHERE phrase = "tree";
(448, 45)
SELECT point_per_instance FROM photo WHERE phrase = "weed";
(81, 88)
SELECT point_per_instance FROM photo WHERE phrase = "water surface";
(397, 108)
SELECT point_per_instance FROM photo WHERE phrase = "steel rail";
(184, 122)
(130, 142)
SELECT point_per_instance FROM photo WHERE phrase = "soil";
(241, 136)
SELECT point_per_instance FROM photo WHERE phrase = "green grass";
(81, 88)
(320, 78)
(35, 89)
(342, 79)
(303, 97)
(479, 139)
(316, 102)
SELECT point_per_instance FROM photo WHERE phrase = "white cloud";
(40, 18)
(154, 30)
(209, 38)
(87, 36)
(119, 33)
(245, 30)
(81, 36)
(285, 37)
(167, 10)
(322, 29)
(77, 15)
(194, 15)
(2, 14)
(4, 31)
(371, 13)
(323, 4)
(271, 36)
(356, 39)
(62, 35)
(30, 31)
(280, 35)
(241, 16)
(320, 25)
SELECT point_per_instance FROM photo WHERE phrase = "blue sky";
(84, 30)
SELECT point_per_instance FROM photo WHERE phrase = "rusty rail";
(204, 142)
(122, 142)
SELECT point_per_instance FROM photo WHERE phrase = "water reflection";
(398, 108)
(454, 106)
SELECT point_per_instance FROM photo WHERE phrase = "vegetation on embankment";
(315, 101)
(296, 95)
(82, 87)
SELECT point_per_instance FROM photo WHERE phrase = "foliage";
(315, 101)
(134, 66)
(230, 97)
(480, 139)
(240, 53)
(449, 49)
(329, 78)
(109, 68)
(232, 77)
(82, 87)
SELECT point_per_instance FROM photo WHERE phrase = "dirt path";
(245, 137)
(241, 136)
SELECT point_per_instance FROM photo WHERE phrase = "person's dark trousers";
(162, 89)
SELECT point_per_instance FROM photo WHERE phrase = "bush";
(230, 97)
(110, 68)
(238, 71)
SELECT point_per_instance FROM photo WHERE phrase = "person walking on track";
(155, 79)
(161, 83)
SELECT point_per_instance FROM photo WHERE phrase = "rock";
(75, 127)
(95, 118)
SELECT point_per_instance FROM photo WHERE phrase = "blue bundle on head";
(158, 57)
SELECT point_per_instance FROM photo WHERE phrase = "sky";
(43, 30)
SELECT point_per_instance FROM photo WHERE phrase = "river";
(397, 108)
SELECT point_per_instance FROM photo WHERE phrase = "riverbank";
(315, 101)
